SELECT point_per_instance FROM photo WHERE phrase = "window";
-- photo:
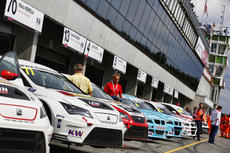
(103, 8)
(92, 4)
(115, 3)
(124, 7)
(213, 47)
(145, 18)
(132, 10)
(119, 22)
(140, 11)
(111, 16)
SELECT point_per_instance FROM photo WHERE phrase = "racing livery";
(76, 117)
(189, 126)
(24, 125)
(158, 127)
(137, 127)
(176, 125)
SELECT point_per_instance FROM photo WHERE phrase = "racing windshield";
(141, 104)
(163, 109)
(51, 80)
(99, 93)
(182, 111)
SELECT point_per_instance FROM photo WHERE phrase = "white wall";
(70, 14)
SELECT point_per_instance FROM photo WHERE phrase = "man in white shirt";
(215, 123)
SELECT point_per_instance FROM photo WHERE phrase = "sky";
(214, 13)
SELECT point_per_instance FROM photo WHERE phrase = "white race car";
(189, 126)
(76, 117)
(24, 125)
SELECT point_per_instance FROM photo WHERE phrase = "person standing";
(113, 88)
(198, 119)
(215, 123)
(80, 80)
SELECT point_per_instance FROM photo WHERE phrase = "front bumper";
(96, 134)
(189, 131)
(157, 131)
(25, 137)
(136, 132)
(22, 141)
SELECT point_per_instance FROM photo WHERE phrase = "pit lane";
(183, 145)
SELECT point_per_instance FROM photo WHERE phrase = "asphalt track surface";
(178, 145)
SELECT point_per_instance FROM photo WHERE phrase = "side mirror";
(174, 112)
(8, 75)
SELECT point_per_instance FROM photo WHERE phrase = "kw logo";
(75, 133)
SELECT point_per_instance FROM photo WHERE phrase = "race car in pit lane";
(189, 126)
(24, 125)
(76, 117)
(158, 126)
(137, 127)
(161, 110)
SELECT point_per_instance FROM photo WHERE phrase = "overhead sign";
(73, 40)
(168, 89)
(17, 10)
(94, 51)
(119, 64)
(201, 51)
(176, 94)
(155, 82)
(141, 76)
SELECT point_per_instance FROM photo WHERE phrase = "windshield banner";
(73, 40)
(17, 10)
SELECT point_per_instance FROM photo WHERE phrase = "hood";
(25, 108)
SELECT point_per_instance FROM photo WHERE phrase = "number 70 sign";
(24, 14)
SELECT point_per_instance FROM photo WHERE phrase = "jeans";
(212, 135)
(199, 128)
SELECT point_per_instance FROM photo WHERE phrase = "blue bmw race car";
(169, 126)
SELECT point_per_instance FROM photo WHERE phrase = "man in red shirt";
(113, 88)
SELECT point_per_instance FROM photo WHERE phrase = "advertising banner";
(155, 82)
(17, 10)
(141, 76)
(94, 51)
(119, 64)
(201, 51)
(73, 40)
(168, 89)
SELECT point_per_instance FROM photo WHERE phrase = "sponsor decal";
(94, 104)
(19, 112)
(160, 128)
(75, 133)
(150, 133)
(3, 90)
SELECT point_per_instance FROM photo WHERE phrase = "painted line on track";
(189, 145)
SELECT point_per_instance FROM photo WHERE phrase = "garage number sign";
(119, 64)
(141, 76)
(24, 14)
(155, 82)
(94, 51)
(168, 89)
(73, 41)
(176, 94)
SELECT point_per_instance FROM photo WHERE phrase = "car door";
(9, 68)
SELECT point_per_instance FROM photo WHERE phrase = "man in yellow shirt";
(80, 80)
